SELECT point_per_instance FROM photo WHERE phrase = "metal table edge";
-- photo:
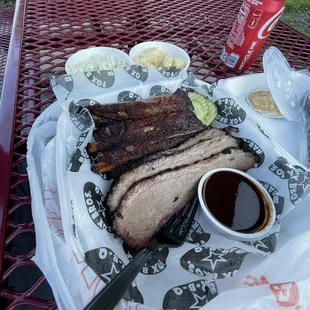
(7, 118)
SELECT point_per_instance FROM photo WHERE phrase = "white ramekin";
(167, 48)
(250, 237)
(85, 54)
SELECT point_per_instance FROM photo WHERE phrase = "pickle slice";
(205, 110)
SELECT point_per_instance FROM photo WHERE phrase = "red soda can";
(254, 23)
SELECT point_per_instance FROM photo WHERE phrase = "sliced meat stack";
(147, 195)
(202, 146)
(150, 202)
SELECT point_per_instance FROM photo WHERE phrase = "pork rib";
(155, 106)
(128, 131)
(117, 136)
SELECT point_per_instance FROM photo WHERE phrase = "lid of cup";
(281, 82)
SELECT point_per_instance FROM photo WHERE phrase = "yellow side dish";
(155, 57)
(263, 102)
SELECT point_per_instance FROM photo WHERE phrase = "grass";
(297, 14)
(6, 4)
(293, 6)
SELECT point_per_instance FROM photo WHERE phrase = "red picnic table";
(44, 34)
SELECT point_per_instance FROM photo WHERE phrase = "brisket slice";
(195, 153)
(126, 156)
(207, 134)
(150, 202)
(191, 140)
(131, 164)
(164, 104)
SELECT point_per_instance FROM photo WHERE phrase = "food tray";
(44, 35)
(90, 237)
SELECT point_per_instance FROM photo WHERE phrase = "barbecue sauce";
(235, 201)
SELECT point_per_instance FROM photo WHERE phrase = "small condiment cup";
(167, 48)
(262, 231)
(258, 111)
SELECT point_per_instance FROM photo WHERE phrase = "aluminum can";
(253, 25)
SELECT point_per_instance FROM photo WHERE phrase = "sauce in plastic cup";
(265, 219)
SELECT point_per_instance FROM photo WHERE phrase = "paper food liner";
(183, 278)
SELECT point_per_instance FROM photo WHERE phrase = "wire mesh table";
(6, 21)
(44, 35)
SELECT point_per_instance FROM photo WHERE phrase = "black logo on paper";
(155, 264)
(298, 185)
(267, 245)
(137, 72)
(196, 235)
(262, 130)
(279, 205)
(128, 96)
(277, 200)
(102, 79)
(251, 146)
(220, 263)
(87, 102)
(106, 264)
(74, 108)
(64, 81)
(190, 81)
(229, 112)
(209, 90)
(193, 295)
(282, 168)
(82, 138)
(159, 90)
(298, 179)
(94, 202)
(76, 160)
(169, 72)
(73, 220)
(79, 116)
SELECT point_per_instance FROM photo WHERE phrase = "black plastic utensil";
(172, 234)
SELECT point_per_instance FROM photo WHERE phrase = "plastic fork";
(172, 235)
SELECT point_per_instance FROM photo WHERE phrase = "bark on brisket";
(207, 134)
(118, 171)
(214, 143)
(130, 153)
